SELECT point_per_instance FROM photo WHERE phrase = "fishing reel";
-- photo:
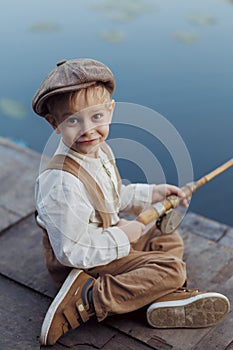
(168, 222)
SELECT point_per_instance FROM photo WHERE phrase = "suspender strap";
(68, 164)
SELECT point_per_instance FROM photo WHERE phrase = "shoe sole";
(55, 304)
(199, 311)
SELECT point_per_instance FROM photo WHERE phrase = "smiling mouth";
(86, 142)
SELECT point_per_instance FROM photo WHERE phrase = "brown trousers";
(153, 268)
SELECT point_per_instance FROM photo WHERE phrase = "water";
(173, 56)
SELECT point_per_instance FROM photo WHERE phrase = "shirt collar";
(81, 158)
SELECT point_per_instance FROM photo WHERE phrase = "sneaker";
(188, 309)
(70, 307)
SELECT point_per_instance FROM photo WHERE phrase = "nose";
(87, 127)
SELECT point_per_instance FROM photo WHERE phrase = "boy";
(102, 264)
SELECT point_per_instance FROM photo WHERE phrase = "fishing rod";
(168, 219)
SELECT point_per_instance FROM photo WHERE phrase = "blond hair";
(96, 92)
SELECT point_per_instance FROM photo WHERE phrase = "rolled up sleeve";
(135, 198)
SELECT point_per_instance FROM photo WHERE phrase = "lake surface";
(172, 56)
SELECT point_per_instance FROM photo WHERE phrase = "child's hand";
(160, 192)
(132, 228)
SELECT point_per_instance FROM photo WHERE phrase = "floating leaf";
(45, 27)
(123, 10)
(186, 37)
(113, 36)
(203, 20)
(122, 17)
(13, 109)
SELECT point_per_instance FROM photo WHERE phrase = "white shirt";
(73, 225)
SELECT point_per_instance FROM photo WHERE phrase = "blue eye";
(97, 116)
(72, 121)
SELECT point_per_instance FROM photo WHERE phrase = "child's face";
(85, 125)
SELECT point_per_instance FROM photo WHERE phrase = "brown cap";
(71, 75)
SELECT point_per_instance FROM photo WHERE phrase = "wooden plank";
(205, 260)
(58, 346)
(227, 239)
(117, 342)
(230, 346)
(136, 326)
(7, 218)
(18, 171)
(92, 333)
(22, 256)
(120, 341)
(19, 197)
(220, 337)
(21, 316)
(204, 227)
(22, 155)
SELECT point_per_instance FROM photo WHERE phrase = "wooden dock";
(26, 290)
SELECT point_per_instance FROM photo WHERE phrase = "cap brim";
(38, 105)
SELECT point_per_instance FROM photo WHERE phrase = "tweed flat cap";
(71, 75)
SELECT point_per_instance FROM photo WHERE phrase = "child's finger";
(178, 191)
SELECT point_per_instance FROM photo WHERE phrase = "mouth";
(86, 142)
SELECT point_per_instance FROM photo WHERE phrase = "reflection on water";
(172, 56)
(13, 109)
(203, 20)
(44, 27)
(186, 37)
(113, 36)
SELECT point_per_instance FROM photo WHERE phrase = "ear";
(112, 108)
(52, 121)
